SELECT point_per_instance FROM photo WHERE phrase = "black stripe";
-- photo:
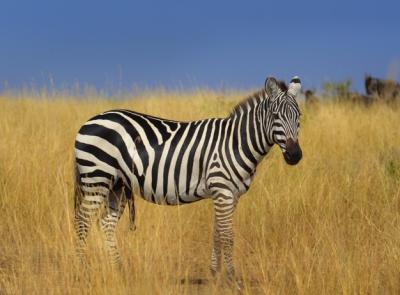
(86, 163)
(155, 168)
(97, 184)
(192, 153)
(229, 154)
(219, 185)
(217, 174)
(97, 173)
(252, 128)
(214, 140)
(235, 147)
(215, 165)
(223, 135)
(245, 146)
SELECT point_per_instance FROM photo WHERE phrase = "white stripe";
(95, 180)
(90, 198)
(95, 189)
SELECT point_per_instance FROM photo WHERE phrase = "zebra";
(121, 153)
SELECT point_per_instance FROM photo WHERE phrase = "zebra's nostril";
(290, 142)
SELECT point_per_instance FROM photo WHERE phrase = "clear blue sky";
(112, 44)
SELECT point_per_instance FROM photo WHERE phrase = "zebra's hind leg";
(86, 206)
(114, 209)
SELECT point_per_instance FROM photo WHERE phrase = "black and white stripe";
(121, 153)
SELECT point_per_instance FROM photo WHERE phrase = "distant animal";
(355, 97)
(120, 152)
(384, 90)
(310, 97)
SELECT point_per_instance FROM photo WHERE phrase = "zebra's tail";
(132, 213)
(77, 189)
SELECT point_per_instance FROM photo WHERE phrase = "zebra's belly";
(173, 195)
(169, 199)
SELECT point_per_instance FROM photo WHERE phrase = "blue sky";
(189, 44)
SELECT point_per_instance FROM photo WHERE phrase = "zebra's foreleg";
(223, 233)
(216, 251)
(86, 207)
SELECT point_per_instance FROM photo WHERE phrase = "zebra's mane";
(252, 99)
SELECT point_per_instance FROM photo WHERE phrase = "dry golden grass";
(330, 225)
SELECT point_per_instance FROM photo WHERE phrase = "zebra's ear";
(294, 86)
(272, 87)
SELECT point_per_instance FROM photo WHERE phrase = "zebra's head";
(282, 120)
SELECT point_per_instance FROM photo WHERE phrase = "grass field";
(330, 225)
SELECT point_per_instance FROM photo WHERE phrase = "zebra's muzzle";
(293, 153)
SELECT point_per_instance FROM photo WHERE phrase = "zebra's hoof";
(239, 285)
(236, 284)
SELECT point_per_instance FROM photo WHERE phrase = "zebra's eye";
(275, 116)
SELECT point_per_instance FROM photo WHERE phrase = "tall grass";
(330, 225)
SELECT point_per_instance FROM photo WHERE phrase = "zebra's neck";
(249, 137)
